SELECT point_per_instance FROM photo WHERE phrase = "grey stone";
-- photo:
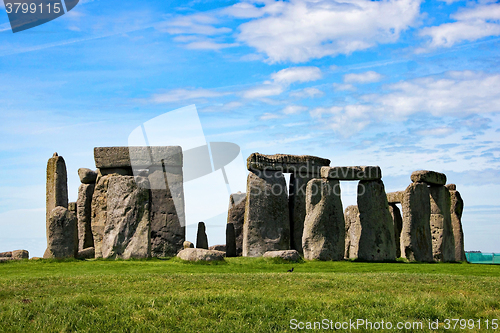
(398, 226)
(114, 171)
(20, 254)
(236, 217)
(297, 208)
(457, 207)
(201, 237)
(443, 242)
(5, 259)
(57, 184)
(87, 253)
(352, 173)
(127, 229)
(99, 212)
(298, 164)
(87, 176)
(267, 223)
(62, 234)
(191, 254)
(187, 245)
(220, 247)
(324, 226)
(352, 231)
(6, 254)
(395, 197)
(376, 240)
(84, 215)
(290, 255)
(72, 207)
(451, 187)
(142, 157)
(230, 241)
(429, 177)
(416, 239)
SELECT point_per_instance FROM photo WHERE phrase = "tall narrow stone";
(352, 232)
(62, 239)
(457, 207)
(267, 223)
(297, 208)
(99, 212)
(376, 241)
(236, 217)
(443, 242)
(84, 215)
(57, 184)
(201, 237)
(324, 227)
(398, 225)
(230, 240)
(416, 239)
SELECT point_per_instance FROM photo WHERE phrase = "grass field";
(242, 295)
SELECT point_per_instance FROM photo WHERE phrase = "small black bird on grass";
(290, 270)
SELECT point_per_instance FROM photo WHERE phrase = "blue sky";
(406, 85)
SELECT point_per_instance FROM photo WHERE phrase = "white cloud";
(367, 77)
(344, 87)
(264, 90)
(307, 93)
(300, 30)
(176, 95)
(293, 109)
(297, 74)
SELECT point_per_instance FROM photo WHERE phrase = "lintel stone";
(429, 177)
(352, 173)
(303, 164)
(395, 197)
(143, 157)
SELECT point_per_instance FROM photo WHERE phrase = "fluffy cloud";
(265, 90)
(293, 109)
(310, 92)
(297, 74)
(367, 77)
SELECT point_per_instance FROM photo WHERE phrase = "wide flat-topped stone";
(137, 157)
(429, 177)
(395, 197)
(352, 173)
(303, 164)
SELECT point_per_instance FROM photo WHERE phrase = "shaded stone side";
(416, 239)
(297, 208)
(352, 231)
(443, 242)
(230, 241)
(376, 241)
(303, 164)
(457, 207)
(84, 215)
(201, 237)
(324, 226)
(57, 184)
(398, 225)
(236, 217)
(267, 222)
(62, 237)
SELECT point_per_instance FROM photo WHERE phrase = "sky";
(406, 85)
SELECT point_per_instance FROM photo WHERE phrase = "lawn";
(244, 295)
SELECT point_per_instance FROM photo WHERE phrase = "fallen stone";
(188, 245)
(62, 234)
(352, 173)
(5, 259)
(142, 157)
(395, 197)
(72, 207)
(457, 207)
(290, 255)
(57, 184)
(443, 242)
(191, 254)
(236, 217)
(87, 176)
(297, 208)
(87, 253)
(201, 237)
(376, 240)
(416, 239)
(84, 215)
(218, 248)
(352, 231)
(429, 177)
(324, 225)
(398, 226)
(267, 223)
(451, 187)
(302, 164)
(6, 254)
(230, 241)
(20, 254)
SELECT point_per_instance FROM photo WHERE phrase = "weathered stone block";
(395, 197)
(87, 176)
(352, 173)
(57, 184)
(99, 212)
(219, 247)
(457, 207)
(291, 255)
(62, 238)
(84, 215)
(429, 177)
(451, 187)
(201, 237)
(443, 243)
(398, 226)
(6, 254)
(87, 253)
(297, 208)
(302, 164)
(142, 157)
(20, 254)
(72, 207)
(188, 245)
(352, 231)
(230, 241)
(191, 254)
(236, 217)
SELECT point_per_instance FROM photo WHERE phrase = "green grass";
(239, 295)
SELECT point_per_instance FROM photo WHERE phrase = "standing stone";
(127, 228)
(230, 241)
(416, 240)
(376, 241)
(352, 232)
(398, 225)
(236, 216)
(297, 208)
(201, 237)
(84, 215)
(57, 184)
(72, 207)
(62, 238)
(457, 207)
(443, 242)
(324, 226)
(267, 223)
(99, 212)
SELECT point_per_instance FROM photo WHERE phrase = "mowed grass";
(239, 295)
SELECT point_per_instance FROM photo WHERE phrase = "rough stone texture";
(201, 237)
(457, 207)
(443, 242)
(324, 226)
(114, 171)
(352, 173)
(57, 184)
(352, 232)
(72, 207)
(143, 157)
(220, 247)
(188, 245)
(87, 176)
(429, 177)
(6, 254)
(395, 197)
(298, 164)
(451, 187)
(201, 254)
(291, 255)
(84, 215)
(99, 212)
(376, 240)
(267, 223)
(127, 228)
(87, 253)
(416, 239)
(168, 230)
(5, 259)
(236, 217)
(297, 209)
(230, 241)
(398, 226)
(62, 234)
(20, 254)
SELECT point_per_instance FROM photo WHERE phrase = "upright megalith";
(352, 232)
(376, 239)
(416, 240)
(201, 237)
(99, 212)
(398, 225)
(230, 241)
(457, 207)
(297, 208)
(84, 215)
(443, 242)
(57, 184)
(267, 223)
(324, 227)
(236, 217)
(62, 237)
